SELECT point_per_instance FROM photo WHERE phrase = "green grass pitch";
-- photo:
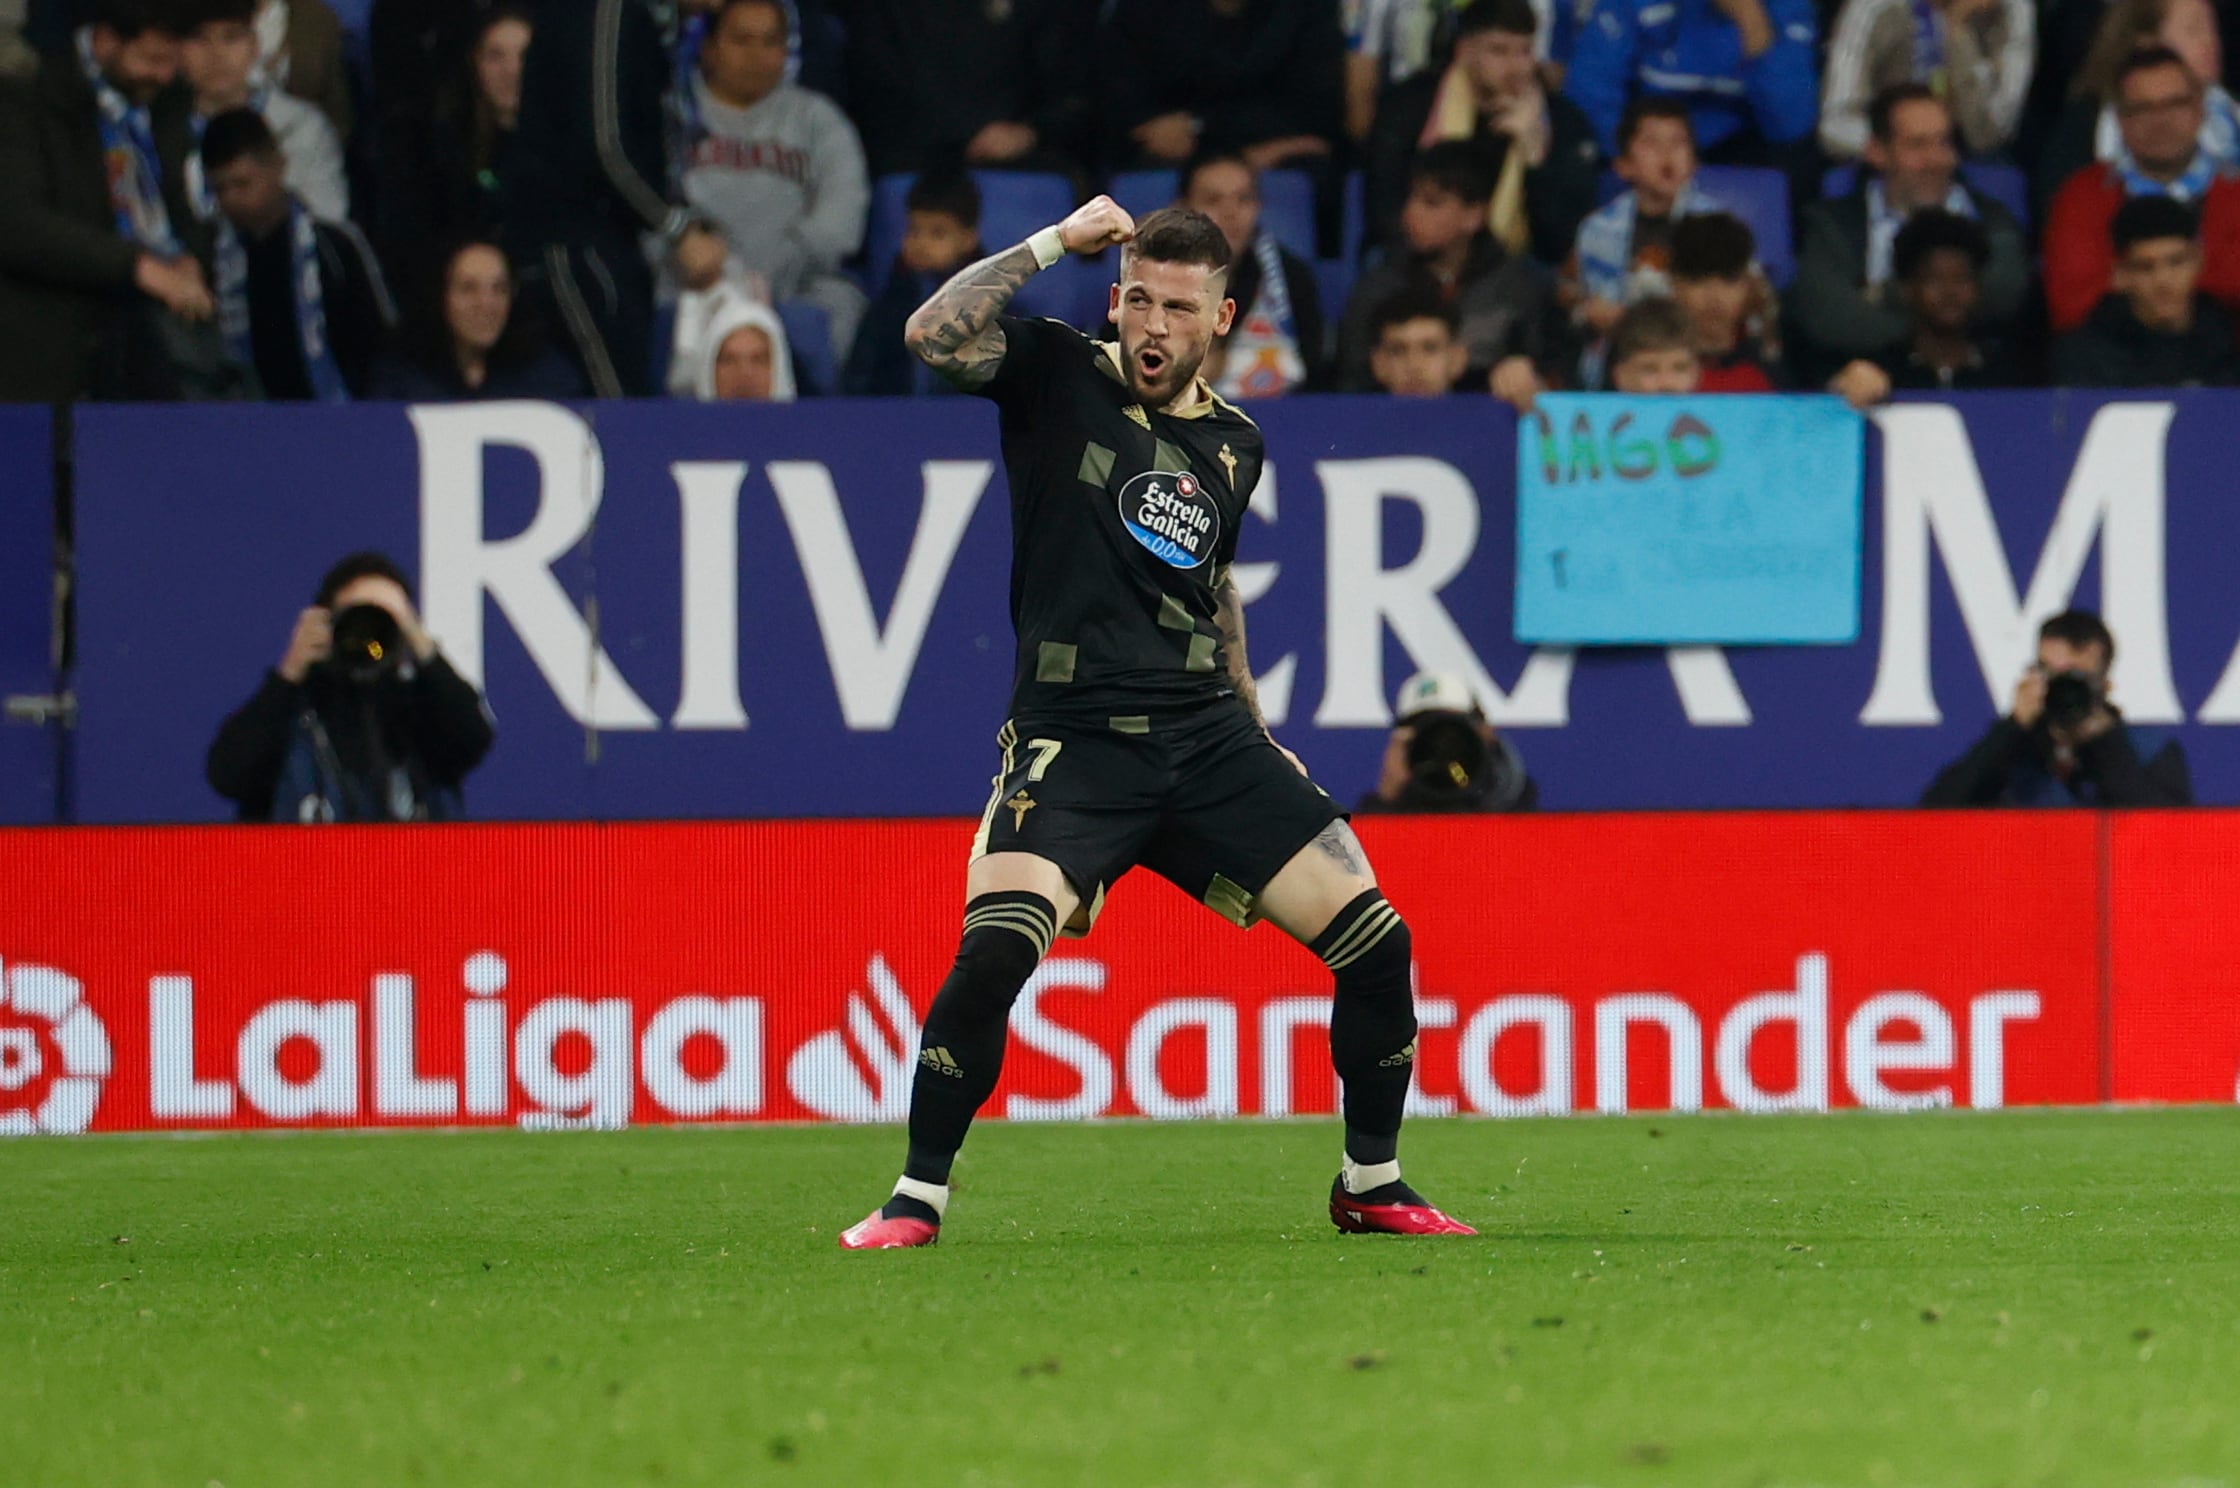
(2004, 1299)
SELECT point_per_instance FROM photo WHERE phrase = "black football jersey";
(1123, 523)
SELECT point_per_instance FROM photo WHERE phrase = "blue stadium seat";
(1761, 199)
(2003, 183)
(1353, 230)
(1333, 281)
(1287, 209)
(1142, 192)
(809, 334)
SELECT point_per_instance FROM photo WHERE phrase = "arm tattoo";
(1229, 614)
(955, 332)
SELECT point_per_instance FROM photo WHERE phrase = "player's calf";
(1373, 1048)
(960, 1056)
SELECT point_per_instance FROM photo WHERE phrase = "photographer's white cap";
(1433, 692)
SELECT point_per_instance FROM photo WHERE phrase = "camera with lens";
(368, 645)
(1447, 757)
(2071, 698)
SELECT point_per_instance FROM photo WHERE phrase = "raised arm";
(955, 332)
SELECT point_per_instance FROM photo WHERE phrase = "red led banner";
(183, 978)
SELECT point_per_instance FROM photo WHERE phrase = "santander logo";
(861, 1072)
(53, 1051)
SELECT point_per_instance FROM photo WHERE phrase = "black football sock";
(1372, 1023)
(960, 1054)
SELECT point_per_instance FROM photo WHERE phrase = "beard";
(1158, 385)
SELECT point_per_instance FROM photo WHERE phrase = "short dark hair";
(366, 565)
(1205, 160)
(950, 191)
(1935, 230)
(1415, 302)
(132, 18)
(195, 14)
(1516, 17)
(1645, 108)
(1883, 111)
(2080, 628)
(234, 134)
(725, 7)
(1654, 324)
(1711, 245)
(2147, 59)
(1181, 236)
(1456, 167)
(2146, 219)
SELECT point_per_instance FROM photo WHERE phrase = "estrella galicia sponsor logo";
(1171, 514)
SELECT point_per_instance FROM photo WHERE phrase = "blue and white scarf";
(2190, 187)
(2219, 139)
(1262, 357)
(1605, 242)
(128, 145)
(304, 278)
(1883, 222)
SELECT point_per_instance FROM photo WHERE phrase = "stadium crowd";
(743, 199)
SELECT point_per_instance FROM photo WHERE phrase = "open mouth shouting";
(1152, 364)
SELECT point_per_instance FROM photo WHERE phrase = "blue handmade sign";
(1682, 521)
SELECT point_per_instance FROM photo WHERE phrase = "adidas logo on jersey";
(1405, 1056)
(940, 1063)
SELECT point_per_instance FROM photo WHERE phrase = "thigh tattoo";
(1340, 845)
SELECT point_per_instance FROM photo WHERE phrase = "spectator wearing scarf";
(218, 60)
(1844, 304)
(1275, 345)
(301, 302)
(94, 214)
(1538, 146)
(2161, 107)
(1976, 55)
(2089, 127)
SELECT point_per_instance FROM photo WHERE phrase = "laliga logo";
(51, 997)
(827, 1074)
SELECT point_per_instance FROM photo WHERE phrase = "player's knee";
(1005, 936)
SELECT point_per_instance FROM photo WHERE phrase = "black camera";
(368, 645)
(2071, 698)
(1448, 760)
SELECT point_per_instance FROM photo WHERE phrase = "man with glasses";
(2159, 113)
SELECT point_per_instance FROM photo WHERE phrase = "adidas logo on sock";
(940, 1063)
(1405, 1056)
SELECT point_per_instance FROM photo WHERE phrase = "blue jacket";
(1688, 49)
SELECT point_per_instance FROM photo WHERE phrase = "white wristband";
(1048, 247)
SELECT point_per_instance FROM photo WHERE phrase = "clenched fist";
(1095, 226)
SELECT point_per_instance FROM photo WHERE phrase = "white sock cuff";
(937, 1194)
(1360, 1179)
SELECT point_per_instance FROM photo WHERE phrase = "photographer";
(2065, 744)
(361, 721)
(1444, 756)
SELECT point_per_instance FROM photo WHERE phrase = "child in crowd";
(1624, 250)
(1418, 352)
(1653, 349)
(1716, 281)
(2157, 329)
(1937, 265)
(941, 234)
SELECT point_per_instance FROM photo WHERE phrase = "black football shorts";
(1201, 798)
